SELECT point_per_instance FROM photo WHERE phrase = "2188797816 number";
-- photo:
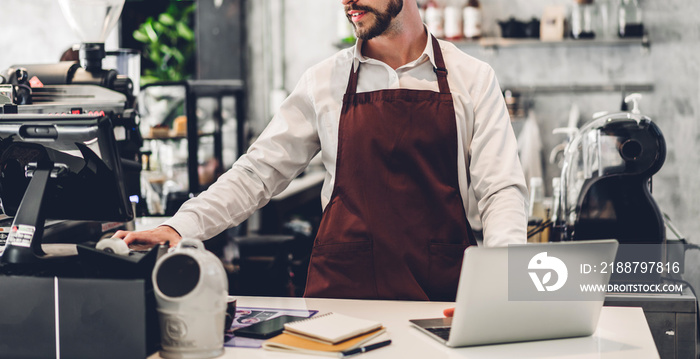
(640, 267)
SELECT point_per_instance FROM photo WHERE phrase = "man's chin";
(363, 36)
(367, 33)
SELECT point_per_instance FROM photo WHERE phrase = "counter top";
(621, 333)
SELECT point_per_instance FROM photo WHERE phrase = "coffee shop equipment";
(605, 192)
(84, 86)
(606, 180)
(191, 290)
(57, 309)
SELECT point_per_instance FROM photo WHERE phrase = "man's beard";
(383, 19)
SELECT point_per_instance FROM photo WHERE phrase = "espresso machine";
(605, 187)
(81, 86)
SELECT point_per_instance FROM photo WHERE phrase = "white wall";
(35, 32)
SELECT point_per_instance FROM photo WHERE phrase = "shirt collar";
(428, 51)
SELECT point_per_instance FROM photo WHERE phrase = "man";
(406, 124)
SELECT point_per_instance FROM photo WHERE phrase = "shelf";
(183, 137)
(580, 88)
(185, 96)
(496, 42)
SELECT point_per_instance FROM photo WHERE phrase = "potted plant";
(168, 44)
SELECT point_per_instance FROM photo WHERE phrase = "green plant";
(169, 44)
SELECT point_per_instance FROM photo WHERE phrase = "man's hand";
(151, 237)
(449, 312)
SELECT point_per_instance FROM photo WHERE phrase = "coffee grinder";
(92, 21)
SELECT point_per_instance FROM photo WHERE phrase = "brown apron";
(395, 227)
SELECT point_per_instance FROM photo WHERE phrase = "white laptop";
(526, 292)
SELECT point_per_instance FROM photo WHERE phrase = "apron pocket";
(342, 270)
(340, 225)
(444, 268)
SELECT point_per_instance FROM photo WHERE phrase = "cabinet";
(672, 320)
(183, 124)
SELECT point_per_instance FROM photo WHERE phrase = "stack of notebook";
(331, 334)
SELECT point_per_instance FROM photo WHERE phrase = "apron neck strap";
(352, 83)
(440, 70)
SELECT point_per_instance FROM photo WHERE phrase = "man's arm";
(496, 174)
(280, 153)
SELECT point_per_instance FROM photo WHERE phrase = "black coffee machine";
(606, 180)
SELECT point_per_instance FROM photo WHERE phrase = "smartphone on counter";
(267, 328)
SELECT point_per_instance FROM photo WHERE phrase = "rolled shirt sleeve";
(496, 173)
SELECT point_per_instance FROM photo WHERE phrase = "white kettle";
(191, 290)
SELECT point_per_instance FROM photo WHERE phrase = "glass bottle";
(607, 13)
(453, 22)
(434, 16)
(472, 20)
(630, 19)
(583, 17)
(537, 206)
(558, 228)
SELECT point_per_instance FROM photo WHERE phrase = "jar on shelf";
(630, 19)
(434, 18)
(583, 19)
(607, 13)
(453, 22)
(472, 20)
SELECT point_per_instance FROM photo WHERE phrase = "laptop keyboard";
(442, 332)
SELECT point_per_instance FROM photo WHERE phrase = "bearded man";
(407, 125)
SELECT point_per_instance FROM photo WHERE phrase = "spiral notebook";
(331, 328)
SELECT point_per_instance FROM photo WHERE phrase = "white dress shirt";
(307, 122)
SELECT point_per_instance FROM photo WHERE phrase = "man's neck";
(402, 43)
